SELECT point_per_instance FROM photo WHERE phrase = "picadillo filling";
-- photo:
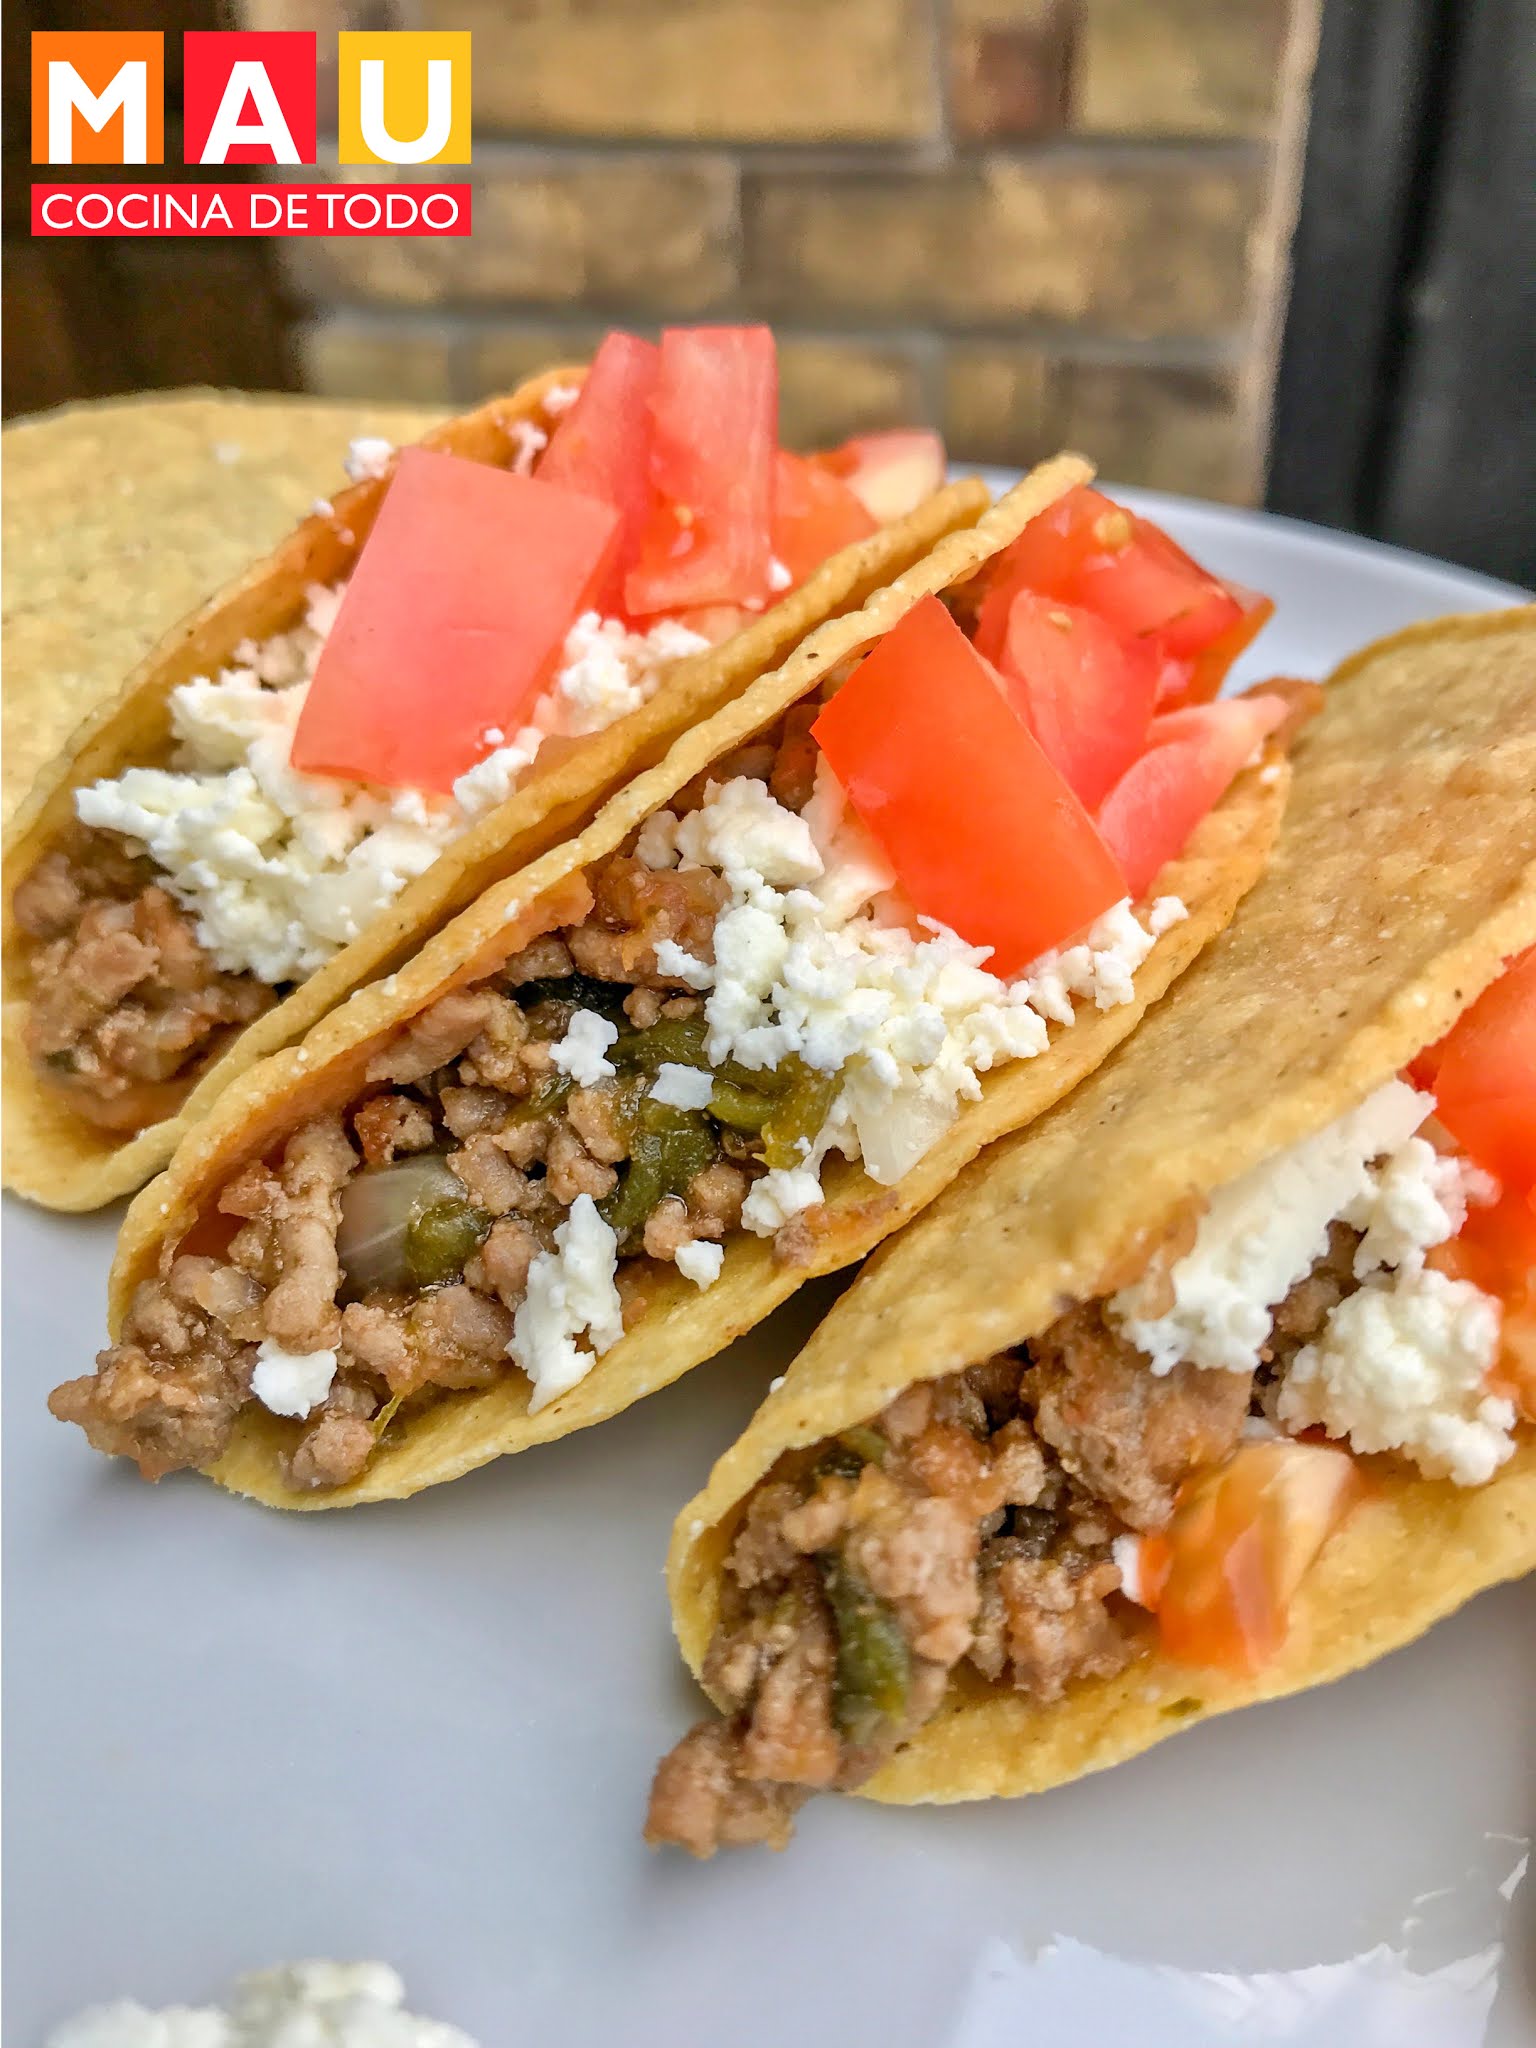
(533, 1151)
(988, 1528)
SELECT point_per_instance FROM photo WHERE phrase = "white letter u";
(370, 113)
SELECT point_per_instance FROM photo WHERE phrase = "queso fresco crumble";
(280, 870)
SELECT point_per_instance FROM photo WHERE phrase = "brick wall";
(1034, 222)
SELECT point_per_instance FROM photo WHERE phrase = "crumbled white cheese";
(528, 443)
(1264, 1231)
(1402, 1366)
(811, 959)
(323, 508)
(580, 1052)
(291, 1382)
(1417, 1199)
(740, 828)
(281, 870)
(1126, 1552)
(305, 2005)
(700, 1262)
(779, 576)
(558, 400)
(782, 1192)
(682, 1087)
(368, 456)
(656, 843)
(571, 1293)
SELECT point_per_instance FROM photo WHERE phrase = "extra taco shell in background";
(681, 1326)
(54, 1156)
(1405, 875)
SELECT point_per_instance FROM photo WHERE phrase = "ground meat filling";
(398, 1235)
(968, 1527)
(125, 1005)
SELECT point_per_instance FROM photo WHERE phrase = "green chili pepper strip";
(874, 1663)
(837, 1462)
(865, 1443)
(578, 992)
(802, 1109)
(440, 1240)
(669, 1147)
(543, 1101)
(386, 1415)
(744, 1109)
(680, 1042)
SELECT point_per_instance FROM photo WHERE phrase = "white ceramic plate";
(425, 1732)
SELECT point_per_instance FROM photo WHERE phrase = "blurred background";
(1267, 251)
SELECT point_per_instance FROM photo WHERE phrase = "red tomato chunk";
(1192, 757)
(602, 447)
(708, 537)
(1223, 1576)
(453, 618)
(1086, 550)
(1086, 693)
(814, 515)
(1484, 1076)
(983, 831)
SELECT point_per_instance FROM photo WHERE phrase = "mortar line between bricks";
(457, 321)
(932, 153)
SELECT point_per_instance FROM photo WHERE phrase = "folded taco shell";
(1404, 876)
(54, 1156)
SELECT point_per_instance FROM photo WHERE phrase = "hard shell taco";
(1218, 1382)
(885, 906)
(430, 682)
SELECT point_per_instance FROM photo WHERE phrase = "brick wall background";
(1033, 222)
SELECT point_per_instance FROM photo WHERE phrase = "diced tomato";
(454, 614)
(602, 446)
(1086, 550)
(1496, 1250)
(1221, 1578)
(1086, 692)
(1484, 1076)
(890, 473)
(1150, 586)
(1192, 756)
(814, 515)
(708, 537)
(1207, 671)
(1516, 1367)
(982, 830)
(1049, 556)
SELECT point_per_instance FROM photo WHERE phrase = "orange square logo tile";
(98, 97)
(403, 97)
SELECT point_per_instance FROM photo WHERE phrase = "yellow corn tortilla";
(52, 1155)
(681, 1326)
(170, 495)
(1404, 876)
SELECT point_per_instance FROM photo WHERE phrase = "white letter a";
(248, 80)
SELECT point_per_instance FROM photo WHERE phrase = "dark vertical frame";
(1407, 380)
(1458, 456)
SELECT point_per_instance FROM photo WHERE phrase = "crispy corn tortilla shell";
(54, 1156)
(1404, 876)
(121, 514)
(681, 1326)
